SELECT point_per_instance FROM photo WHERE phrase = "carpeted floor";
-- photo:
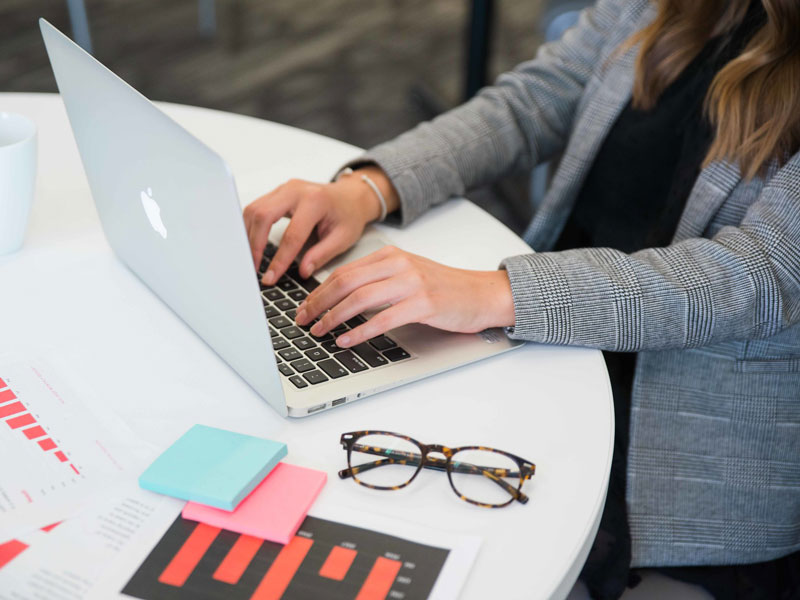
(354, 70)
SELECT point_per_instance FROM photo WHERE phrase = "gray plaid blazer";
(714, 458)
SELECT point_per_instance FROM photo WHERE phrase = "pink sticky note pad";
(273, 511)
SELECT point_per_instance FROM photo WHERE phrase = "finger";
(399, 257)
(263, 216)
(402, 313)
(333, 244)
(341, 284)
(304, 219)
(388, 291)
(372, 257)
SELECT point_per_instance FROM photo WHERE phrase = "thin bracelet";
(366, 179)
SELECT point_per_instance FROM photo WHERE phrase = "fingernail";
(300, 317)
(317, 328)
(302, 306)
(343, 340)
(269, 276)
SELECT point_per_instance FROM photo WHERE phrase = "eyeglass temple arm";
(398, 457)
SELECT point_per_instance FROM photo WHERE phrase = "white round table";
(66, 292)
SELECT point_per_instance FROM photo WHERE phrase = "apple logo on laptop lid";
(153, 212)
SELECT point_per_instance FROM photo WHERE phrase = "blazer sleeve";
(523, 119)
(743, 283)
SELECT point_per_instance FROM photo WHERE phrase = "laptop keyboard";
(305, 359)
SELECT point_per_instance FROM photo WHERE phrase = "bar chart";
(325, 559)
(58, 450)
(18, 417)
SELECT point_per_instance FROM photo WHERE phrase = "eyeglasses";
(483, 476)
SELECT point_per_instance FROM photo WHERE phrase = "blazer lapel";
(712, 188)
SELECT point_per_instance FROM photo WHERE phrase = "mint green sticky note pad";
(212, 466)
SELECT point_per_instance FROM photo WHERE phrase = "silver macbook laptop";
(170, 211)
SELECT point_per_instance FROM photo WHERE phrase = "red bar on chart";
(74, 469)
(238, 559)
(50, 527)
(338, 563)
(11, 409)
(46, 444)
(21, 421)
(185, 560)
(7, 396)
(380, 579)
(61, 456)
(34, 432)
(10, 550)
(282, 571)
(2, 383)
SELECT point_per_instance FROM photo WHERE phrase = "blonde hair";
(754, 100)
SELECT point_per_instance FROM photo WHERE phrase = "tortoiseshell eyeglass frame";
(525, 471)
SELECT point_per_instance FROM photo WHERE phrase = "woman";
(670, 238)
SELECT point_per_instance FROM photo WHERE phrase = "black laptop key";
(304, 343)
(355, 321)
(292, 332)
(290, 354)
(285, 304)
(339, 329)
(272, 332)
(316, 354)
(297, 295)
(292, 314)
(332, 368)
(286, 284)
(308, 285)
(323, 338)
(382, 343)
(298, 381)
(272, 294)
(270, 249)
(395, 354)
(351, 361)
(271, 311)
(330, 346)
(285, 369)
(262, 268)
(280, 322)
(369, 355)
(315, 377)
(278, 343)
(302, 365)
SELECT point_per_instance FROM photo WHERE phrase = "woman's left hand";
(416, 290)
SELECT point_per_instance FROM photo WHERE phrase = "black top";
(637, 187)
(632, 199)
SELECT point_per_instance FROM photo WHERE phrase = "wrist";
(500, 301)
(373, 191)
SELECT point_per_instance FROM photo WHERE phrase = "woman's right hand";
(338, 211)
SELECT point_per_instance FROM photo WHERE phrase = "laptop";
(169, 209)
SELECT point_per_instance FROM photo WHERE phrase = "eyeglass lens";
(479, 475)
(384, 461)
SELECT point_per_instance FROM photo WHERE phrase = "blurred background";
(359, 71)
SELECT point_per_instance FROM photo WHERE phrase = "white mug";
(17, 178)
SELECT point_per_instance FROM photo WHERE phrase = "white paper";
(39, 486)
(72, 561)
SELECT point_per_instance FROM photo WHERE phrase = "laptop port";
(338, 401)
(316, 408)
